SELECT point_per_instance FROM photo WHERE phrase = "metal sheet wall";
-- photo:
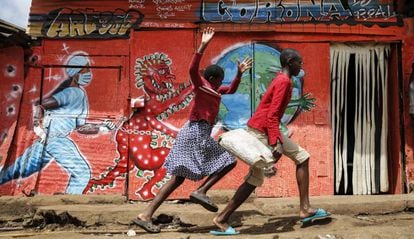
(117, 93)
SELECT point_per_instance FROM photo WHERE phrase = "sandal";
(146, 225)
(319, 214)
(229, 231)
(204, 201)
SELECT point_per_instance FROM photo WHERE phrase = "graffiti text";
(86, 23)
(279, 11)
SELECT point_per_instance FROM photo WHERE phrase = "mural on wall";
(143, 140)
(56, 116)
(300, 11)
(87, 23)
(146, 138)
(236, 109)
(116, 18)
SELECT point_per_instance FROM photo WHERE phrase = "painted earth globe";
(237, 108)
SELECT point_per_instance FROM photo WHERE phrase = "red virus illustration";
(146, 137)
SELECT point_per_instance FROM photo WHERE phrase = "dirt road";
(110, 219)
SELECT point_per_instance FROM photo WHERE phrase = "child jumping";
(195, 154)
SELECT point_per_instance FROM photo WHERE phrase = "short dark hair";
(213, 71)
(287, 55)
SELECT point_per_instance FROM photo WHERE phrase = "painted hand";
(37, 115)
(306, 102)
(107, 125)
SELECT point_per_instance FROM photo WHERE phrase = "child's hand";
(277, 151)
(245, 65)
(270, 171)
(208, 34)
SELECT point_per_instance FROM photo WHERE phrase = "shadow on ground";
(274, 225)
(235, 221)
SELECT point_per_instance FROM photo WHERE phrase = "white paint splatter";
(65, 48)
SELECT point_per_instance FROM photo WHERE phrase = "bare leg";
(242, 193)
(214, 178)
(302, 177)
(165, 191)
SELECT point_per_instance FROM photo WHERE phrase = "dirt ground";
(398, 225)
(21, 219)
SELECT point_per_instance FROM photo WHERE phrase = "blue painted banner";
(300, 11)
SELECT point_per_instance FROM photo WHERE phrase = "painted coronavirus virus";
(146, 137)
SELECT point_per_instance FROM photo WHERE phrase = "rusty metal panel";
(11, 89)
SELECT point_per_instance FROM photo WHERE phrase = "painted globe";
(237, 108)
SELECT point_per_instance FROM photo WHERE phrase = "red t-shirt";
(207, 101)
(271, 108)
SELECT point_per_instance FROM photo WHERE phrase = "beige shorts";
(292, 150)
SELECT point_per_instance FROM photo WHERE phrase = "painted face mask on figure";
(84, 78)
(301, 74)
(82, 73)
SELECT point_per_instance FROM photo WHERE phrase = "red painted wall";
(107, 99)
(408, 60)
(128, 159)
(11, 88)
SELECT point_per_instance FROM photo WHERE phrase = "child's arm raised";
(195, 63)
(208, 34)
(195, 76)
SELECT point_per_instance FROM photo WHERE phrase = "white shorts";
(292, 150)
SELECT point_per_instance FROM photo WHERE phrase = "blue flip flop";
(228, 232)
(320, 214)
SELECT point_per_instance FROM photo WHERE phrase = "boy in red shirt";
(264, 125)
(195, 154)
